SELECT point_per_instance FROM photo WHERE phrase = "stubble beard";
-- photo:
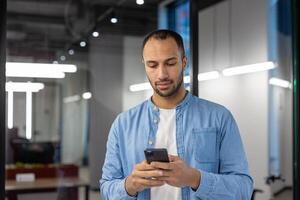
(173, 91)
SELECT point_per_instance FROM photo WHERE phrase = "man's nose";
(162, 72)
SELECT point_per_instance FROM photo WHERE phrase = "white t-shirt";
(166, 138)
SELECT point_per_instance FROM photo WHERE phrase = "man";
(207, 160)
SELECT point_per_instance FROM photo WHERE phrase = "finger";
(150, 182)
(143, 166)
(164, 178)
(161, 165)
(149, 173)
(173, 158)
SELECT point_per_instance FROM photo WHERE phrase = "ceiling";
(40, 28)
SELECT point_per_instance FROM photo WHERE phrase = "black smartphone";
(155, 154)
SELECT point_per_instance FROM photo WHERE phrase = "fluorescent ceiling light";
(28, 115)
(16, 66)
(208, 76)
(280, 83)
(30, 74)
(71, 99)
(27, 87)
(140, 87)
(248, 68)
(186, 79)
(87, 95)
(10, 109)
(23, 87)
(38, 70)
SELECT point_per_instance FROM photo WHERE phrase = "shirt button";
(155, 121)
(150, 142)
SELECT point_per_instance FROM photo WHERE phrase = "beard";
(173, 90)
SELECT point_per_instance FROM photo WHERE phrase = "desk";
(13, 188)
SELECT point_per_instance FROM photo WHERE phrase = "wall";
(234, 33)
(74, 113)
(133, 72)
(248, 104)
(106, 86)
(121, 66)
(46, 113)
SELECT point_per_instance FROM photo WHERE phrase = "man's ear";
(184, 62)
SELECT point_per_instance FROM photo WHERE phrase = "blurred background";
(73, 65)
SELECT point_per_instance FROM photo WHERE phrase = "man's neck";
(169, 102)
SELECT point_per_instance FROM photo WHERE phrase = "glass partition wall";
(248, 46)
(69, 68)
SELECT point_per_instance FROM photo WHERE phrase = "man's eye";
(171, 64)
(152, 66)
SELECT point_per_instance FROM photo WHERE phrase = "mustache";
(163, 82)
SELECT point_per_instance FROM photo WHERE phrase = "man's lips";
(163, 85)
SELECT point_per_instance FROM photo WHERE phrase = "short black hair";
(162, 34)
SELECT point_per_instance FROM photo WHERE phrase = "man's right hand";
(142, 177)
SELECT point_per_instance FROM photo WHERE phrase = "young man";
(207, 160)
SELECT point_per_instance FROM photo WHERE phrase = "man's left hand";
(177, 173)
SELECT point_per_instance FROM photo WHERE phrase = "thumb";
(173, 158)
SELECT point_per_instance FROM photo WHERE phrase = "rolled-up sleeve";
(233, 181)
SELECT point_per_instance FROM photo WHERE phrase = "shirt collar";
(180, 106)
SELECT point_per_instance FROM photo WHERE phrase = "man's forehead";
(156, 48)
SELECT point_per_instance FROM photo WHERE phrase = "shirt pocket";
(204, 144)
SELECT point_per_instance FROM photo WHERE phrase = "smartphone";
(158, 155)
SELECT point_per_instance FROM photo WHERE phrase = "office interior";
(73, 66)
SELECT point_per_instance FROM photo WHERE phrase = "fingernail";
(160, 173)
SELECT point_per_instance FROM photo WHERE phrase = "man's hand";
(177, 173)
(143, 176)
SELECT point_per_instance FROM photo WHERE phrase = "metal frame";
(2, 95)
(296, 90)
(194, 52)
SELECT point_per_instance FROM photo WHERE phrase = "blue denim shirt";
(207, 139)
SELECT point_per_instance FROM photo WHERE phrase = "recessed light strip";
(140, 87)
(215, 74)
(280, 83)
(39, 70)
(23, 87)
(245, 69)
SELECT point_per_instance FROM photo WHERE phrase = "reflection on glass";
(68, 69)
(259, 94)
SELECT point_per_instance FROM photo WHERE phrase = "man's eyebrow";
(169, 59)
(153, 61)
(172, 58)
(150, 61)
